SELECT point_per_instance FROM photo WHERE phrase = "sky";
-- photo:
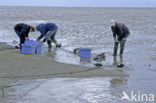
(80, 3)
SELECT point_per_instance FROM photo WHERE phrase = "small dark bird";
(120, 65)
(59, 45)
(99, 57)
(98, 65)
(76, 51)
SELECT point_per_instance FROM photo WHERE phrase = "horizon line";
(78, 6)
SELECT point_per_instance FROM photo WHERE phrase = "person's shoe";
(120, 65)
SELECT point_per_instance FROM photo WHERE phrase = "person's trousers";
(22, 38)
(50, 37)
(122, 45)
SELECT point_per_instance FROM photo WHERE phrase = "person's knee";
(47, 38)
(115, 44)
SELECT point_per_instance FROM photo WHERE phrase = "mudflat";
(16, 66)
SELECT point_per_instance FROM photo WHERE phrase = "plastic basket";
(28, 49)
(39, 49)
(85, 52)
(38, 45)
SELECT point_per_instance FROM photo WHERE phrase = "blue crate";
(28, 42)
(85, 52)
(39, 49)
(32, 42)
(28, 49)
(38, 45)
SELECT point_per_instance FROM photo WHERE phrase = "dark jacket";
(23, 29)
(44, 28)
(120, 30)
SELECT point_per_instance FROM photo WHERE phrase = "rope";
(31, 76)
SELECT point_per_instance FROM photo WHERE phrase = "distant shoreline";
(84, 7)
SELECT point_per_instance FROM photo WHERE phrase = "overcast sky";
(80, 3)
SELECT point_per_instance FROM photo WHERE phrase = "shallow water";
(89, 27)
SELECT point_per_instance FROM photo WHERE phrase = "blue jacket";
(44, 28)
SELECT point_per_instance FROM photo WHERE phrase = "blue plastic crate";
(28, 49)
(32, 42)
(39, 49)
(38, 45)
(28, 42)
(85, 52)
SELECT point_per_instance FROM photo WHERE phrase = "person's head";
(32, 29)
(113, 23)
(36, 28)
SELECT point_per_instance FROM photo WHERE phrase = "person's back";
(51, 26)
(20, 26)
(120, 30)
(48, 30)
(23, 29)
(124, 27)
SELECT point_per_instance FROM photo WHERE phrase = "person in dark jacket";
(120, 34)
(22, 30)
(48, 30)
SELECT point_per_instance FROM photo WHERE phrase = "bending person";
(120, 34)
(22, 30)
(48, 30)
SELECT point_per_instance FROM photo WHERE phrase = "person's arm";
(42, 31)
(114, 33)
(44, 40)
(120, 33)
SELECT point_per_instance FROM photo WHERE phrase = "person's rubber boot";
(57, 45)
(122, 44)
(121, 59)
(114, 60)
(115, 49)
(49, 44)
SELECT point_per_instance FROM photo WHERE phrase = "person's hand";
(114, 39)
(118, 41)
(27, 38)
(37, 39)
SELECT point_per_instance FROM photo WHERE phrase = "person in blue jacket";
(22, 30)
(48, 30)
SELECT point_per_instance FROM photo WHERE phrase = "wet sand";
(15, 66)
